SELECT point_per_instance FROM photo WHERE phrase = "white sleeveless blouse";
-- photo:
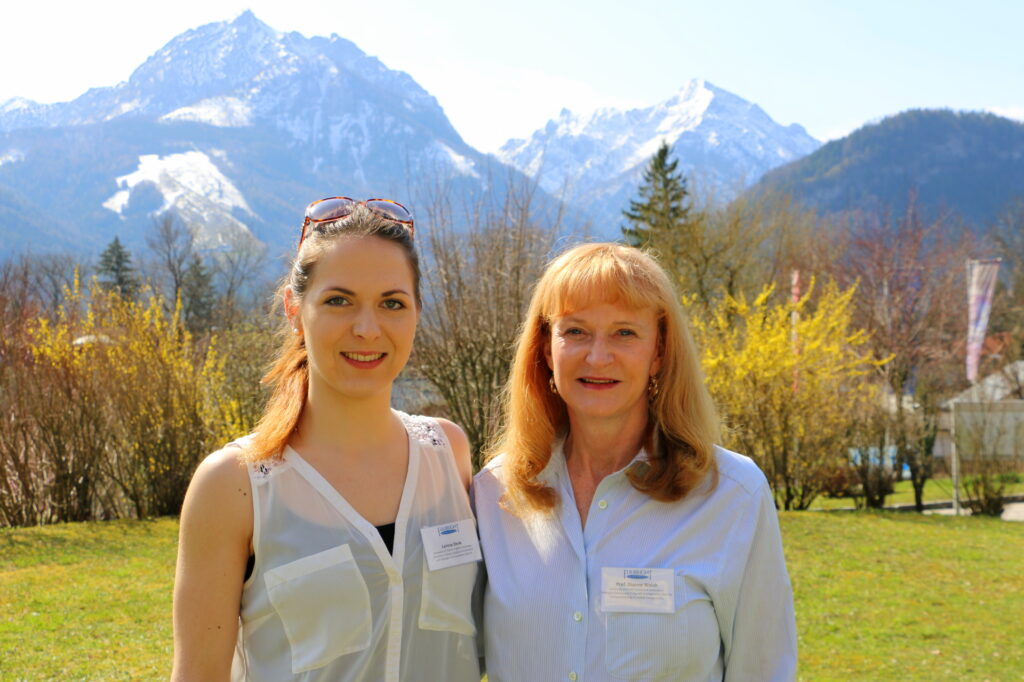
(326, 601)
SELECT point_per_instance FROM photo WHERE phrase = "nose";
(599, 355)
(366, 325)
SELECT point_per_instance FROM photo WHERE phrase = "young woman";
(620, 542)
(313, 549)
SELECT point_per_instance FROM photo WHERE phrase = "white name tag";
(638, 590)
(450, 544)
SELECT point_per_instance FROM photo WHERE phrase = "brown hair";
(683, 424)
(289, 372)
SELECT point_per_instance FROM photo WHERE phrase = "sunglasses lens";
(330, 209)
(390, 209)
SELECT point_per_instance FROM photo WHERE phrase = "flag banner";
(981, 283)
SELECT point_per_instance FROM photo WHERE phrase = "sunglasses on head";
(336, 208)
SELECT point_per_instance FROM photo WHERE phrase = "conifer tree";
(115, 270)
(663, 205)
(197, 295)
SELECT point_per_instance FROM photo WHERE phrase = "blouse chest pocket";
(324, 607)
(659, 646)
(447, 602)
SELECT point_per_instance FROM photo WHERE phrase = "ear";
(547, 350)
(291, 310)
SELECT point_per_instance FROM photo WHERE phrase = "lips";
(363, 360)
(598, 383)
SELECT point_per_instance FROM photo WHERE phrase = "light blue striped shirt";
(733, 605)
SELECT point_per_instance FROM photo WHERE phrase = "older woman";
(619, 541)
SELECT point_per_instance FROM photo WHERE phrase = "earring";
(551, 383)
(295, 330)
(653, 387)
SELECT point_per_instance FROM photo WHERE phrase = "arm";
(763, 643)
(460, 447)
(213, 547)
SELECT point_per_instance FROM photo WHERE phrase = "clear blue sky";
(502, 69)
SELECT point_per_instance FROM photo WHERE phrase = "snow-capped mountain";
(235, 127)
(722, 141)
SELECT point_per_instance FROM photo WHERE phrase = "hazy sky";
(502, 69)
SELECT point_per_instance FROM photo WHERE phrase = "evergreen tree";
(197, 295)
(116, 271)
(663, 206)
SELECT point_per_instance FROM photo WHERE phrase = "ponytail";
(289, 375)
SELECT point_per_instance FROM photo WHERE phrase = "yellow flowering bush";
(789, 379)
(158, 399)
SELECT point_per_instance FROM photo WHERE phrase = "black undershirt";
(387, 534)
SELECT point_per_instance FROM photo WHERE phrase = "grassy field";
(879, 597)
(903, 493)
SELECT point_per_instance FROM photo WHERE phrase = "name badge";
(638, 590)
(450, 544)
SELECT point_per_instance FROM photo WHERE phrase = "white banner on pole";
(981, 283)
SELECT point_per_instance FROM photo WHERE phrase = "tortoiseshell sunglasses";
(336, 208)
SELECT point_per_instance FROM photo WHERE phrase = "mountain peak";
(247, 18)
(600, 157)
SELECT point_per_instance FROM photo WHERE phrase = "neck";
(334, 423)
(596, 448)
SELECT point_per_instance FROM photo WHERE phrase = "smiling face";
(602, 357)
(358, 317)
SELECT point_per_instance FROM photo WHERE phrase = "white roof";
(1007, 383)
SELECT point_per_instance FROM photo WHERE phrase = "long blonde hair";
(683, 424)
(289, 373)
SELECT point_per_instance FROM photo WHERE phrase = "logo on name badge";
(448, 529)
(637, 574)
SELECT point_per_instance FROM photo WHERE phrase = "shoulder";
(739, 473)
(439, 432)
(460, 448)
(491, 473)
(220, 492)
(221, 470)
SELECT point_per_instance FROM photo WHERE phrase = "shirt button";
(603, 504)
(577, 616)
(572, 676)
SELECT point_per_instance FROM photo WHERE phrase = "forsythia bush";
(122, 404)
(789, 380)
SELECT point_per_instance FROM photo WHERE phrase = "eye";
(572, 331)
(337, 300)
(626, 332)
(393, 304)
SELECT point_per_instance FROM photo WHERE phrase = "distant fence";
(989, 429)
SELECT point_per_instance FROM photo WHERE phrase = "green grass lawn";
(900, 596)
(878, 597)
(87, 601)
(903, 493)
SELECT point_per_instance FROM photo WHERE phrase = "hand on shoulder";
(460, 447)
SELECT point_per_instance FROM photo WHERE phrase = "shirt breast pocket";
(324, 606)
(447, 601)
(658, 646)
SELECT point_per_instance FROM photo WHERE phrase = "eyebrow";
(349, 292)
(579, 320)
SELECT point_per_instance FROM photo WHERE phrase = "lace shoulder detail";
(260, 469)
(265, 467)
(425, 429)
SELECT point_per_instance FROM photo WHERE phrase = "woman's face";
(358, 317)
(602, 358)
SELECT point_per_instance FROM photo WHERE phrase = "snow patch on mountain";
(222, 112)
(460, 164)
(177, 176)
(17, 104)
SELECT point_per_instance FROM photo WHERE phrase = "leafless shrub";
(477, 284)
